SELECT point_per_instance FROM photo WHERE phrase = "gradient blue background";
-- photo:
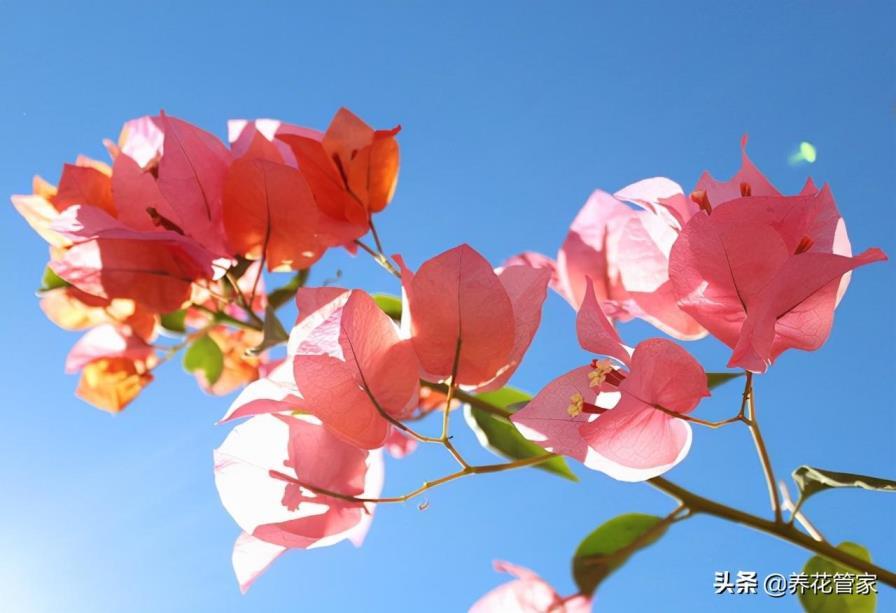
(512, 113)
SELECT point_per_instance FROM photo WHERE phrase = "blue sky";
(512, 112)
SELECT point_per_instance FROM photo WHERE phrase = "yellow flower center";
(576, 404)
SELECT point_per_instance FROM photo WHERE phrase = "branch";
(699, 504)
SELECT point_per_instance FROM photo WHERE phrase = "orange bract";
(112, 383)
(84, 184)
(353, 170)
(366, 158)
(269, 212)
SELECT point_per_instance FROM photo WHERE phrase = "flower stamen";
(804, 245)
(701, 199)
(601, 368)
(576, 404)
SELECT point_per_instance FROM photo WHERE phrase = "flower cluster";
(355, 372)
(760, 271)
(175, 236)
(177, 229)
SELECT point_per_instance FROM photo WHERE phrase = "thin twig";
(241, 298)
(427, 485)
(452, 386)
(172, 350)
(222, 317)
(379, 257)
(761, 450)
(376, 236)
(795, 514)
(696, 420)
(260, 273)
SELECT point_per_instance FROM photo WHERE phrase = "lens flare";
(806, 154)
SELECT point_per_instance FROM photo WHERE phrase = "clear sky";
(512, 112)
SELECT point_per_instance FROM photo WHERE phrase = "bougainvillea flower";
(114, 367)
(169, 175)
(367, 158)
(352, 169)
(85, 182)
(274, 392)
(72, 309)
(107, 341)
(527, 593)
(142, 140)
(251, 557)
(352, 365)
(40, 214)
(348, 363)
(118, 233)
(271, 213)
(761, 271)
(455, 300)
(625, 251)
(620, 421)
(534, 259)
(264, 472)
(748, 181)
(166, 175)
(140, 204)
(112, 383)
(191, 174)
(241, 134)
(109, 260)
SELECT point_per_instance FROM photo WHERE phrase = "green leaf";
(273, 332)
(175, 321)
(391, 305)
(505, 397)
(500, 436)
(814, 601)
(611, 545)
(51, 281)
(205, 355)
(812, 480)
(283, 294)
(715, 379)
